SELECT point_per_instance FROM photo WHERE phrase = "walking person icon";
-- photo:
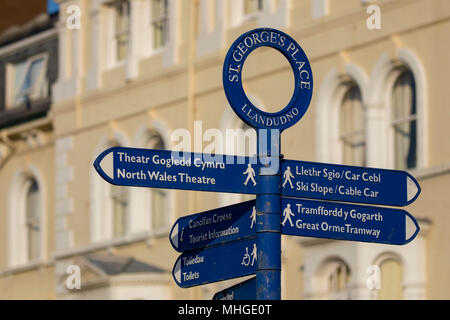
(250, 172)
(287, 213)
(254, 254)
(287, 175)
(253, 217)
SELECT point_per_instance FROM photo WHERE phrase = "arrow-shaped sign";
(233, 260)
(245, 290)
(348, 183)
(214, 227)
(176, 170)
(340, 221)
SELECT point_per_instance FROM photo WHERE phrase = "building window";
(121, 28)
(252, 6)
(160, 22)
(404, 121)
(351, 128)
(159, 209)
(25, 220)
(28, 80)
(33, 221)
(391, 287)
(120, 205)
(338, 281)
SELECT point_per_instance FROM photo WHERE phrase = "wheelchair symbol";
(247, 257)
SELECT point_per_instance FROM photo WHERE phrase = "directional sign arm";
(233, 260)
(213, 227)
(340, 221)
(322, 181)
(178, 170)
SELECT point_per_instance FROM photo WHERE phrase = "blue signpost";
(214, 227)
(245, 239)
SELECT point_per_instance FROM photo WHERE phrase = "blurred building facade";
(130, 73)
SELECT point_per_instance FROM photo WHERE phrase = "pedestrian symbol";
(250, 172)
(287, 213)
(253, 217)
(287, 176)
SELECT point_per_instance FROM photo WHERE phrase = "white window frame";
(17, 229)
(41, 81)
(329, 269)
(254, 14)
(386, 256)
(168, 49)
(394, 76)
(382, 80)
(272, 15)
(153, 20)
(109, 10)
(345, 87)
(329, 98)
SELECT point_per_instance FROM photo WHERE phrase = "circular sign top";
(232, 79)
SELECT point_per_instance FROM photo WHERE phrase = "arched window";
(121, 28)
(33, 220)
(252, 6)
(160, 22)
(338, 279)
(120, 204)
(334, 280)
(404, 121)
(391, 286)
(26, 220)
(352, 128)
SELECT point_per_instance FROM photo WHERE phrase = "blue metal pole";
(268, 210)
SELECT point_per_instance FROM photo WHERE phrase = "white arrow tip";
(174, 235)
(177, 271)
(411, 188)
(107, 165)
(411, 228)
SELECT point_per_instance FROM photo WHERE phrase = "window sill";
(116, 65)
(161, 232)
(21, 113)
(430, 172)
(103, 245)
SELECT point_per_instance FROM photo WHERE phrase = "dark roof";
(113, 265)
(40, 23)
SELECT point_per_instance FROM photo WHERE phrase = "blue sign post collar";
(232, 79)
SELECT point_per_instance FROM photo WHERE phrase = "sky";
(52, 7)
